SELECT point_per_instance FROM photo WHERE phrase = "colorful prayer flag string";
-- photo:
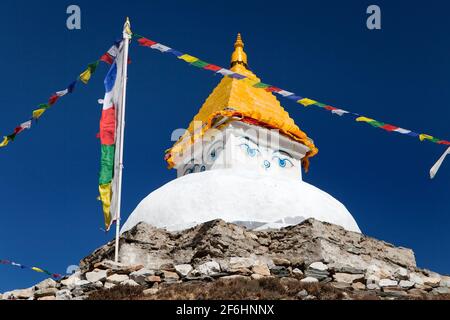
(306, 102)
(36, 269)
(84, 77)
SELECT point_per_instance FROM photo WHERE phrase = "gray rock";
(358, 286)
(47, 283)
(261, 269)
(432, 281)
(109, 285)
(71, 280)
(416, 278)
(406, 284)
(240, 263)
(208, 268)
(309, 280)
(441, 290)
(401, 274)
(129, 282)
(372, 286)
(150, 292)
(22, 294)
(445, 281)
(183, 269)
(318, 266)
(297, 273)
(280, 271)
(117, 278)
(45, 292)
(63, 295)
(387, 283)
(140, 276)
(302, 294)
(348, 278)
(95, 276)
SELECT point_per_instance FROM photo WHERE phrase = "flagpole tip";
(127, 29)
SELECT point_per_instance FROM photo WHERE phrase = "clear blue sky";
(49, 215)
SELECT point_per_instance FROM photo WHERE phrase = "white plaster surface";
(237, 195)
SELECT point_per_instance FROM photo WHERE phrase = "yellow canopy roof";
(237, 98)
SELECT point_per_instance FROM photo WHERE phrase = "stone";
(374, 270)
(22, 294)
(129, 282)
(70, 281)
(302, 294)
(416, 278)
(256, 276)
(317, 270)
(319, 266)
(309, 280)
(48, 298)
(423, 287)
(372, 286)
(445, 281)
(340, 268)
(347, 277)
(280, 271)
(109, 285)
(406, 284)
(208, 268)
(441, 290)
(150, 292)
(117, 278)
(95, 276)
(297, 273)
(141, 275)
(387, 283)
(432, 281)
(417, 292)
(45, 292)
(281, 262)
(153, 279)
(170, 276)
(81, 283)
(393, 292)
(373, 279)
(401, 274)
(183, 269)
(310, 297)
(234, 277)
(261, 269)
(239, 263)
(47, 283)
(117, 267)
(63, 295)
(358, 286)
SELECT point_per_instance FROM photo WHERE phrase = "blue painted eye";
(283, 163)
(267, 164)
(189, 171)
(252, 152)
(203, 168)
(213, 154)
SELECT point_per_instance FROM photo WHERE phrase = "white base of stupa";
(238, 196)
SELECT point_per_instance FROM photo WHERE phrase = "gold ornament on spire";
(239, 56)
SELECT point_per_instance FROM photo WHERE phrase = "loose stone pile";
(311, 252)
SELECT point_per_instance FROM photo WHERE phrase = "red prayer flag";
(447, 143)
(146, 42)
(212, 67)
(273, 89)
(389, 127)
(53, 99)
(107, 58)
(330, 108)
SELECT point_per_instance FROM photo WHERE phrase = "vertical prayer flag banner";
(194, 61)
(109, 134)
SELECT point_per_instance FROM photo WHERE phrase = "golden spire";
(239, 56)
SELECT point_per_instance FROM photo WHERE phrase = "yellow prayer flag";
(4, 142)
(105, 197)
(306, 102)
(38, 113)
(425, 137)
(364, 119)
(86, 76)
(37, 269)
(188, 58)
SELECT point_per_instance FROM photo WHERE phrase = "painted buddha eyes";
(280, 157)
(252, 152)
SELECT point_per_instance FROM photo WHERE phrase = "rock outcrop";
(311, 252)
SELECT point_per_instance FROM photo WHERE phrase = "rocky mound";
(310, 258)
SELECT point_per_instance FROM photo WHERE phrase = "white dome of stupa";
(234, 195)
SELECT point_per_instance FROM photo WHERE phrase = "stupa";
(240, 160)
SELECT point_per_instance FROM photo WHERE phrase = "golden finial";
(239, 56)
